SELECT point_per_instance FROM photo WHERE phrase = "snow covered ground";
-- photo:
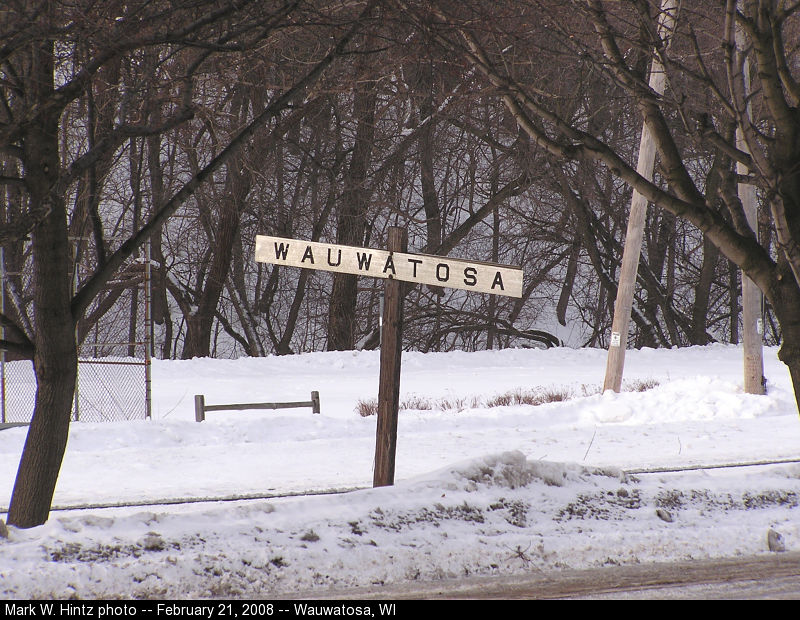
(480, 490)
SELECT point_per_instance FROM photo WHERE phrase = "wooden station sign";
(395, 265)
(457, 273)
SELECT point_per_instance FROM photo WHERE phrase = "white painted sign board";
(419, 268)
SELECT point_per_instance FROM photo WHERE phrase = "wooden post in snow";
(752, 324)
(636, 221)
(389, 383)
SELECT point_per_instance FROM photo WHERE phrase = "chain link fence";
(114, 387)
(113, 377)
(110, 388)
(17, 392)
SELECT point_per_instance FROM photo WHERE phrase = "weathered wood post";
(199, 407)
(389, 382)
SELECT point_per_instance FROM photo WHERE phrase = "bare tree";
(43, 74)
(705, 94)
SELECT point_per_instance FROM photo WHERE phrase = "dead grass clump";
(531, 397)
(640, 385)
(417, 402)
(590, 390)
(458, 404)
(366, 408)
(555, 395)
(414, 402)
(534, 397)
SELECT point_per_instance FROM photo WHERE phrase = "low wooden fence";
(200, 406)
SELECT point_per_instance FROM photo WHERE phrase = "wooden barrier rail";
(200, 406)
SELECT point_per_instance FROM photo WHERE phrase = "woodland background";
(397, 132)
(496, 131)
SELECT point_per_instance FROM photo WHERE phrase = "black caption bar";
(200, 610)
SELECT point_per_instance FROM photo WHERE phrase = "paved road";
(775, 576)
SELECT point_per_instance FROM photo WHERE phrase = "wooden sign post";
(389, 382)
(396, 266)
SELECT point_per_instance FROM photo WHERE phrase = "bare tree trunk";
(733, 281)
(55, 358)
(136, 162)
(283, 346)
(491, 332)
(569, 282)
(430, 199)
(702, 293)
(785, 300)
(199, 324)
(352, 222)
(160, 310)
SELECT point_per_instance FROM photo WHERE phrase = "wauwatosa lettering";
(418, 268)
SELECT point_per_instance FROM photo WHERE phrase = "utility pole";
(752, 323)
(636, 220)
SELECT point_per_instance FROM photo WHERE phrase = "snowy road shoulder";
(500, 514)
